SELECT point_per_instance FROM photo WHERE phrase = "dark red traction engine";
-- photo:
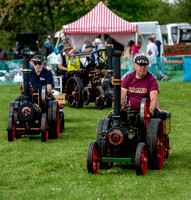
(34, 113)
(129, 136)
(92, 83)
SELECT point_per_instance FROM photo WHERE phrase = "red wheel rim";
(13, 131)
(160, 146)
(95, 160)
(144, 160)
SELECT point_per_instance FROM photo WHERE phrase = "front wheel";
(141, 159)
(93, 158)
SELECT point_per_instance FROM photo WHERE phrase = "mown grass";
(30, 169)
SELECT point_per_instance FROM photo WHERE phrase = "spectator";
(62, 61)
(140, 84)
(89, 60)
(48, 45)
(128, 55)
(152, 49)
(86, 41)
(158, 43)
(73, 63)
(98, 44)
(60, 47)
(152, 52)
(131, 50)
(40, 76)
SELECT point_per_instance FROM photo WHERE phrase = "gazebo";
(100, 20)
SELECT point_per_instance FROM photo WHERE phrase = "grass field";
(32, 170)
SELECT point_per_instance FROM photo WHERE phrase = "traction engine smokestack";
(117, 86)
(26, 72)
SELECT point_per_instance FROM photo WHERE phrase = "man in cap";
(62, 60)
(98, 44)
(140, 84)
(73, 63)
(40, 76)
(89, 60)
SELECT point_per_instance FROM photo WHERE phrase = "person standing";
(152, 52)
(59, 48)
(152, 49)
(128, 57)
(158, 43)
(73, 63)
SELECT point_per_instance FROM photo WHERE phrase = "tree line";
(45, 17)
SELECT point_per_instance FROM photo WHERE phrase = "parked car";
(26, 41)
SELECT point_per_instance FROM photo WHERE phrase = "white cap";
(97, 40)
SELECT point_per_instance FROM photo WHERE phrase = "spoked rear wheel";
(155, 144)
(141, 159)
(99, 98)
(93, 158)
(74, 92)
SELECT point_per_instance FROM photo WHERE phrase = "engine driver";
(140, 84)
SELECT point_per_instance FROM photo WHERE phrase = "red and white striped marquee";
(100, 20)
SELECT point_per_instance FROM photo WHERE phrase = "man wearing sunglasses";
(40, 76)
(140, 84)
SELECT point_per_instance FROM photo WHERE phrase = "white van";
(145, 31)
(176, 33)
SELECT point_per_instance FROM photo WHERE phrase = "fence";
(171, 69)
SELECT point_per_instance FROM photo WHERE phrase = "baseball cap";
(37, 58)
(141, 60)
